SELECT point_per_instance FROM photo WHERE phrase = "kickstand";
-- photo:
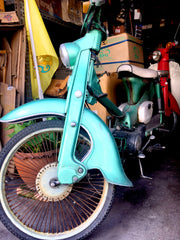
(141, 170)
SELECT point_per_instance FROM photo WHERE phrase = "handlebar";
(98, 3)
(170, 45)
(92, 19)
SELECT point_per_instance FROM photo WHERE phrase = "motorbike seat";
(141, 72)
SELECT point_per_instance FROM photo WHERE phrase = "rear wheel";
(32, 207)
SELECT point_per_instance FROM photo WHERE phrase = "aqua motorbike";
(58, 176)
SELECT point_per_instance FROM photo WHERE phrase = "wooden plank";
(18, 45)
(1, 109)
(6, 46)
(21, 70)
(3, 62)
(15, 46)
(18, 60)
(8, 102)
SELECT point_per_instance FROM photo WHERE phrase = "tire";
(171, 123)
(30, 207)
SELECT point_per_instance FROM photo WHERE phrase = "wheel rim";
(66, 214)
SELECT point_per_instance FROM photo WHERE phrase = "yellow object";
(2, 6)
(86, 6)
(47, 58)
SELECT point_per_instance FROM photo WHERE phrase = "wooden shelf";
(45, 15)
(9, 27)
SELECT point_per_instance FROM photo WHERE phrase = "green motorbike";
(58, 176)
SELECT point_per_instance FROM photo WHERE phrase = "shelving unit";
(17, 85)
(46, 16)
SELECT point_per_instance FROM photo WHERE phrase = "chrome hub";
(48, 186)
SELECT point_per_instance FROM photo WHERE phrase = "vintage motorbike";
(58, 176)
(168, 84)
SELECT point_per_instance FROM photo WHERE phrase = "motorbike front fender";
(103, 155)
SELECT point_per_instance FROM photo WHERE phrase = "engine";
(130, 141)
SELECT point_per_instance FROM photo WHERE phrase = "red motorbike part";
(170, 103)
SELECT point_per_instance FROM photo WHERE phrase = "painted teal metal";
(91, 41)
(35, 109)
(107, 160)
(137, 93)
(69, 169)
(104, 153)
(81, 60)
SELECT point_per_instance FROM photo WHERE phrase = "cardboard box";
(62, 72)
(57, 88)
(2, 9)
(118, 29)
(111, 85)
(53, 7)
(120, 49)
(58, 85)
(86, 6)
(8, 17)
(72, 11)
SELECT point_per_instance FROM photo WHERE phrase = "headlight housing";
(64, 55)
(156, 56)
(68, 53)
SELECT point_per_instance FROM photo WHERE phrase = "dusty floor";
(150, 210)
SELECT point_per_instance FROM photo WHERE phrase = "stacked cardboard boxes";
(120, 49)
(116, 50)
(67, 10)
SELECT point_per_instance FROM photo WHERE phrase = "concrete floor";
(150, 210)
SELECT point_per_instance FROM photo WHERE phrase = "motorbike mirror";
(175, 35)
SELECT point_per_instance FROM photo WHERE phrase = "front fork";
(159, 100)
(169, 102)
(70, 170)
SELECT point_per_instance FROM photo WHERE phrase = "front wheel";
(31, 206)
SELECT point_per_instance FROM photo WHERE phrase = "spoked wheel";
(32, 206)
